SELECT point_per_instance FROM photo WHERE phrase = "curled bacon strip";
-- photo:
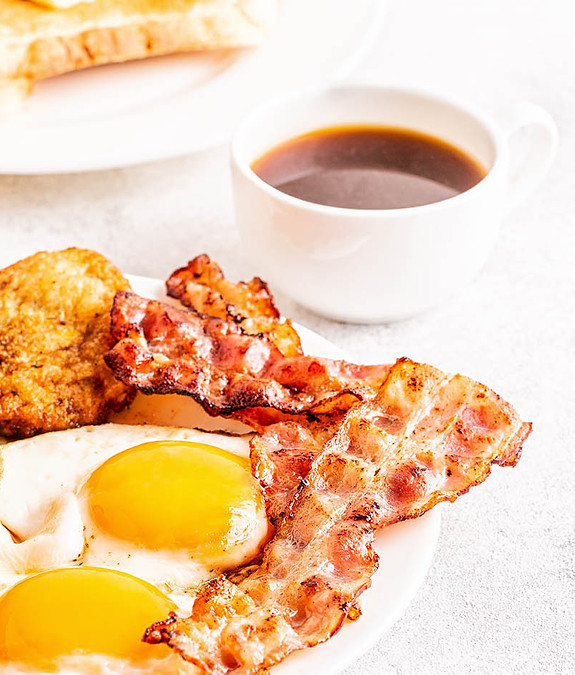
(161, 349)
(202, 286)
(424, 438)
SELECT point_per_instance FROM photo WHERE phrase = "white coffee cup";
(382, 265)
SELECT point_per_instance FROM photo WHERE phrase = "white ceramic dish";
(124, 114)
(406, 550)
(398, 262)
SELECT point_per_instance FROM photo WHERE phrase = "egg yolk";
(82, 610)
(176, 495)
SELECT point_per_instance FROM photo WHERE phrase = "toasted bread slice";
(37, 42)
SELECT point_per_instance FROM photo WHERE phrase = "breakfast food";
(81, 620)
(37, 42)
(282, 456)
(202, 286)
(425, 438)
(163, 508)
(166, 350)
(168, 537)
(350, 455)
(54, 332)
(169, 505)
(465, 417)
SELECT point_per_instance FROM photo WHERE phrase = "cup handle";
(527, 171)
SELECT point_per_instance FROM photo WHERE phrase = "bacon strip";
(162, 349)
(202, 286)
(282, 456)
(425, 438)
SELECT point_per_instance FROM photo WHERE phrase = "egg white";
(45, 517)
(99, 664)
(45, 523)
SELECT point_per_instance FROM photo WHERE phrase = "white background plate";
(124, 114)
(406, 549)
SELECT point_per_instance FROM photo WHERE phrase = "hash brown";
(54, 331)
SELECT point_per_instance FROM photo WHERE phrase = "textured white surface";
(500, 595)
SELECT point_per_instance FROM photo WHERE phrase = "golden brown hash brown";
(54, 332)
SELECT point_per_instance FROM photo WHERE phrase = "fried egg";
(110, 527)
(83, 620)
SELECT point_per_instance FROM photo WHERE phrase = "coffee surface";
(369, 167)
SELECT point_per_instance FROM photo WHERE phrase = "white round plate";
(406, 549)
(124, 114)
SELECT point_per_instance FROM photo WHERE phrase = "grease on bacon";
(424, 438)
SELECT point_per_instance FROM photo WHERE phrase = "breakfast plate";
(406, 549)
(124, 114)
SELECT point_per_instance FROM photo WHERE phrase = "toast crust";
(36, 42)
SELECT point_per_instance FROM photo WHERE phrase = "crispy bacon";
(162, 349)
(281, 458)
(202, 286)
(424, 438)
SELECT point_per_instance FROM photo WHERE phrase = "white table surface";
(499, 597)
